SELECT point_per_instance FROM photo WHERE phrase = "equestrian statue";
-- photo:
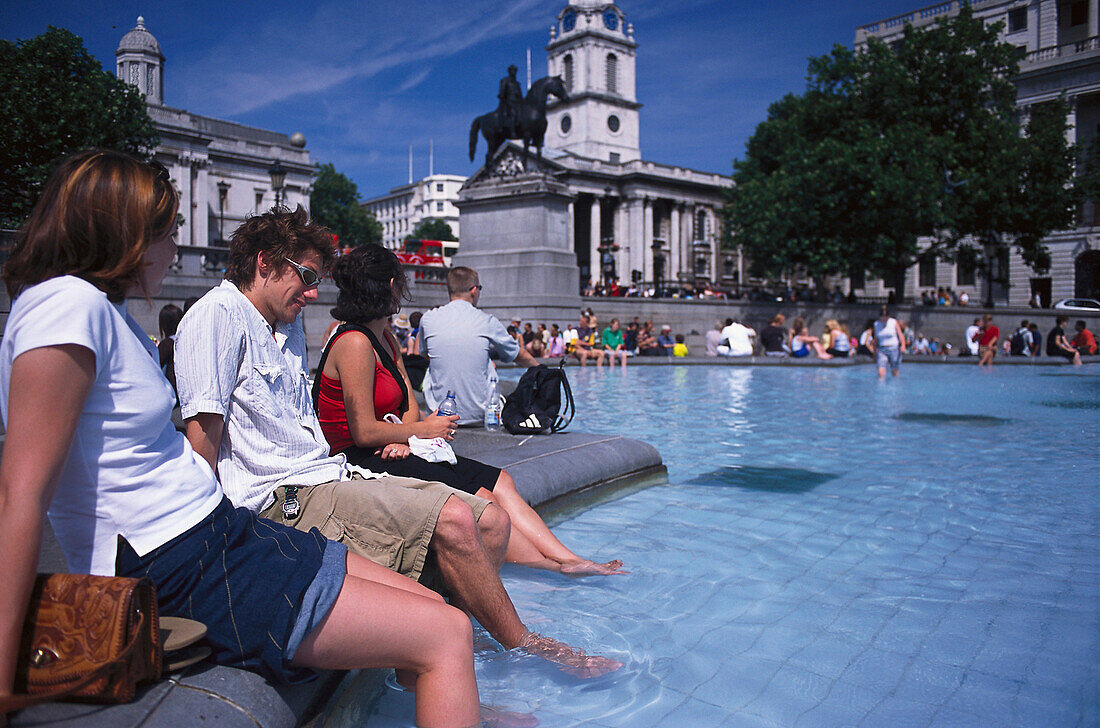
(517, 116)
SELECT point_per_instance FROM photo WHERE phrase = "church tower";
(592, 48)
(140, 63)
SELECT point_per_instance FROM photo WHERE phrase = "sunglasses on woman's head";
(309, 277)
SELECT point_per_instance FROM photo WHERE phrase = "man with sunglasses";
(241, 370)
(459, 340)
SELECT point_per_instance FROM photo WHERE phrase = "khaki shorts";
(388, 520)
(983, 349)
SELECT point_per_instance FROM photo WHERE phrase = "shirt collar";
(280, 329)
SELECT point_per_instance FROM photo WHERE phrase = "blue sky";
(364, 80)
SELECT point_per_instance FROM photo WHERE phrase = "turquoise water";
(830, 550)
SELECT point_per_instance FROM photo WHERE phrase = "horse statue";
(530, 123)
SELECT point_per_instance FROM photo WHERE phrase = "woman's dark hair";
(364, 278)
(170, 317)
(98, 214)
(414, 319)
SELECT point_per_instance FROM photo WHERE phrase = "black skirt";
(467, 475)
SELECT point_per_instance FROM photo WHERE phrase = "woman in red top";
(357, 390)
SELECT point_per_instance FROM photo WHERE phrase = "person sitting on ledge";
(802, 342)
(89, 435)
(1058, 345)
(773, 338)
(360, 387)
(241, 369)
(613, 343)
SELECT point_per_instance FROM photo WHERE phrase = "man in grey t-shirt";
(459, 340)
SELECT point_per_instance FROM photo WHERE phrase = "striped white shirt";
(228, 363)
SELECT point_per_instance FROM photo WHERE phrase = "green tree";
(334, 203)
(896, 144)
(431, 228)
(55, 99)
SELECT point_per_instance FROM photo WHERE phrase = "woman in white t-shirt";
(89, 437)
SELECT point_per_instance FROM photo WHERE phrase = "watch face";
(569, 21)
(611, 20)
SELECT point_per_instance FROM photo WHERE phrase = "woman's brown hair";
(98, 213)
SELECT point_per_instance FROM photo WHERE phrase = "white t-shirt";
(972, 343)
(886, 334)
(128, 471)
(738, 336)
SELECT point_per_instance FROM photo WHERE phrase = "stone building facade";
(1062, 39)
(403, 208)
(632, 219)
(222, 170)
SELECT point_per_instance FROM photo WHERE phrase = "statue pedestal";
(516, 235)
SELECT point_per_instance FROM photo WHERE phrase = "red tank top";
(330, 403)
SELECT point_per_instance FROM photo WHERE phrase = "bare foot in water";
(586, 567)
(493, 717)
(572, 660)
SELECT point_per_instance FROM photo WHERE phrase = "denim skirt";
(259, 587)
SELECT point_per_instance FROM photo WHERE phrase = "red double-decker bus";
(422, 252)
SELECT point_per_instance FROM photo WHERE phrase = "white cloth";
(128, 471)
(459, 340)
(738, 337)
(228, 363)
(886, 334)
(971, 342)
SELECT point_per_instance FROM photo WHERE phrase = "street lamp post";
(990, 248)
(278, 177)
(223, 192)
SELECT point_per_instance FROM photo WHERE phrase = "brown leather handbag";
(87, 638)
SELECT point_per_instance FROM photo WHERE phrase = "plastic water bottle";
(492, 405)
(449, 406)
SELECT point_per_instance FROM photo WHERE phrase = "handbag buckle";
(40, 657)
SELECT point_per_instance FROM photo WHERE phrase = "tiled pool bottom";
(831, 551)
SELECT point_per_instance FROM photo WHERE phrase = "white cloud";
(278, 59)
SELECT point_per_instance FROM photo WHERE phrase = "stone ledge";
(545, 467)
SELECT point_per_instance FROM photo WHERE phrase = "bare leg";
(820, 351)
(475, 583)
(471, 574)
(376, 624)
(533, 543)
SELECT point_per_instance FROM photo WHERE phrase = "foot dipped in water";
(586, 567)
(494, 717)
(572, 661)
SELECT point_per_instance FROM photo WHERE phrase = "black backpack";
(1017, 346)
(535, 407)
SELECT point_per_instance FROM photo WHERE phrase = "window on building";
(965, 267)
(259, 201)
(613, 157)
(1079, 12)
(439, 207)
(927, 273)
(700, 225)
(438, 186)
(858, 278)
(1017, 20)
(567, 63)
(612, 73)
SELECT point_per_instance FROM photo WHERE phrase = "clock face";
(613, 123)
(569, 21)
(610, 19)
(566, 124)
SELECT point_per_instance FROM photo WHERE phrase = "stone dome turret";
(139, 40)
